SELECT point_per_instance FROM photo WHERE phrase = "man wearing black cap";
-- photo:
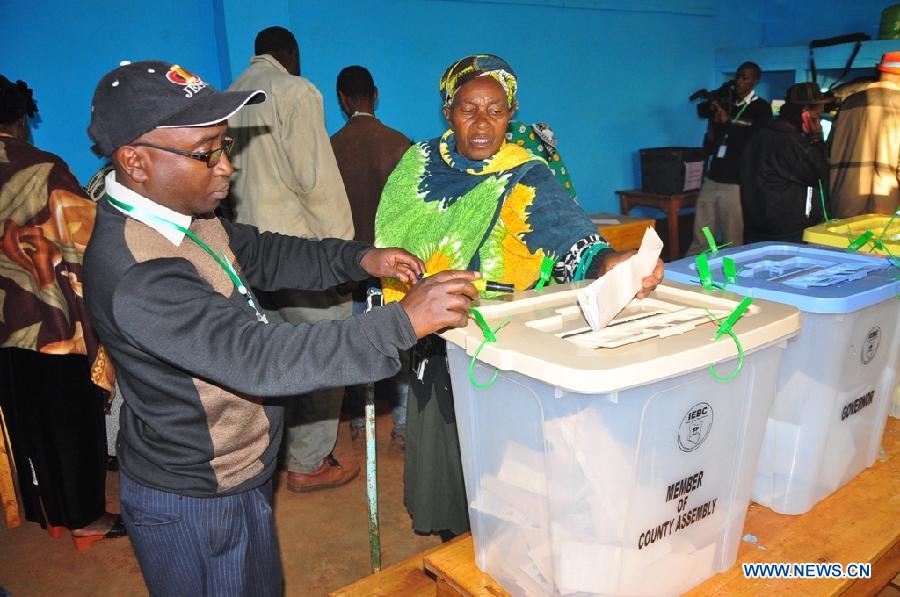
(784, 169)
(167, 286)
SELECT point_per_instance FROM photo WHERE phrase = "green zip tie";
(711, 241)
(729, 269)
(738, 367)
(725, 326)
(703, 271)
(879, 244)
(725, 329)
(822, 199)
(860, 241)
(489, 336)
(485, 328)
(546, 272)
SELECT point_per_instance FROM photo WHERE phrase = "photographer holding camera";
(782, 167)
(734, 112)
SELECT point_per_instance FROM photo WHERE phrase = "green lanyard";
(221, 261)
(741, 111)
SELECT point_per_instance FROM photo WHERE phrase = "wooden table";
(622, 232)
(858, 523)
(670, 204)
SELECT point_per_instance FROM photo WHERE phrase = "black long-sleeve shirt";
(780, 172)
(733, 136)
(195, 365)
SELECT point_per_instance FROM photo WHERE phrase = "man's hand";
(648, 284)
(393, 263)
(721, 113)
(440, 301)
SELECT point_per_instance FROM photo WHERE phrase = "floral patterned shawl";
(46, 221)
(501, 216)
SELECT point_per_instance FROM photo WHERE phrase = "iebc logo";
(695, 427)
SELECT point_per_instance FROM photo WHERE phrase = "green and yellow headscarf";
(478, 65)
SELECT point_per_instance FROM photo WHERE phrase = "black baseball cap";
(805, 94)
(141, 96)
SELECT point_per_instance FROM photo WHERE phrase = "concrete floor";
(323, 537)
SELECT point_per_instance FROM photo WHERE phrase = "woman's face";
(478, 116)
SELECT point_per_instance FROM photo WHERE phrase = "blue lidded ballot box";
(837, 376)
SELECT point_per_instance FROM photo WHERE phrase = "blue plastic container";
(837, 375)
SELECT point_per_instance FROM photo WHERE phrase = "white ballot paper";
(608, 294)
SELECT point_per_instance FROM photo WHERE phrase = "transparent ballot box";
(612, 462)
(838, 374)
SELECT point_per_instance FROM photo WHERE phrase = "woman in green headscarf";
(469, 200)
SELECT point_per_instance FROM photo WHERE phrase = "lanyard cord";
(223, 263)
(741, 111)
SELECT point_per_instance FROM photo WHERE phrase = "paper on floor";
(606, 296)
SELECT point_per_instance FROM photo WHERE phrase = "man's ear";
(375, 97)
(513, 109)
(447, 112)
(131, 163)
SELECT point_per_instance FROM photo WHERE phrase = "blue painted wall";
(608, 81)
(62, 48)
(611, 76)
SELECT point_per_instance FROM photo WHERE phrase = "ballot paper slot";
(854, 229)
(639, 328)
(802, 272)
(773, 270)
(831, 276)
(641, 320)
(570, 319)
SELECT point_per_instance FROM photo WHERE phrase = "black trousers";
(54, 415)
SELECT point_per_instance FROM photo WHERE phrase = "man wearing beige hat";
(865, 146)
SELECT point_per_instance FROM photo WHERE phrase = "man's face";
(744, 81)
(181, 183)
(479, 116)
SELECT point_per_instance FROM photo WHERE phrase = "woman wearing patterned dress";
(469, 200)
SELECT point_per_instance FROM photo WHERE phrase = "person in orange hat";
(865, 145)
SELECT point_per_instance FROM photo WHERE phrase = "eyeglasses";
(211, 158)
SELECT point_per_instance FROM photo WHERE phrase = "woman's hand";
(648, 284)
(393, 263)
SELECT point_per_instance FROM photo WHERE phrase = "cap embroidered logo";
(191, 82)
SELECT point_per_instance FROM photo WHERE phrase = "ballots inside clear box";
(837, 376)
(612, 461)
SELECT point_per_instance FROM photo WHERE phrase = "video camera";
(723, 96)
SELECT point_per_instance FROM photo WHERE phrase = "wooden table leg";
(8, 503)
(674, 252)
